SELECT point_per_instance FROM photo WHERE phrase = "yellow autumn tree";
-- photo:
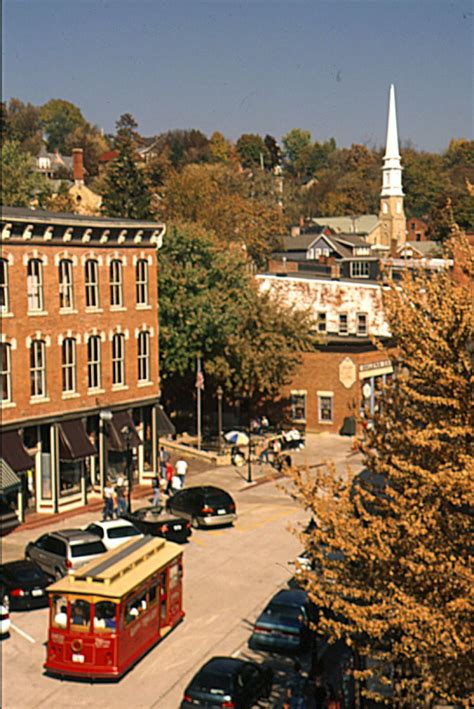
(391, 549)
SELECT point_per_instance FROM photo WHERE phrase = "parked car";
(205, 506)
(228, 682)
(159, 522)
(24, 584)
(114, 532)
(283, 626)
(59, 553)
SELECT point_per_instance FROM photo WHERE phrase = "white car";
(4, 620)
(114, 532)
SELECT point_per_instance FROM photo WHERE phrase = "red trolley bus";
(107, 614)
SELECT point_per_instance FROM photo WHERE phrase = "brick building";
(79, 380)
(342, 377)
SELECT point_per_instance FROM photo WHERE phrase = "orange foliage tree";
(392, 562)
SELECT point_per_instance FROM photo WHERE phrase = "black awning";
(163, 424)
(14, 452)
(122, 433)
(74, 442)
(9, 480)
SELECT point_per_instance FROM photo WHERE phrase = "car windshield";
(212, 682)
(125, 531)
(286, 611)
(87, 549)
(218, 500)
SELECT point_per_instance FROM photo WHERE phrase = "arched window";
(69, 365)
(66, 289)
(93, 362)
(118, 359)
(34, 284)
(92, 283)
(141, 273)
(116, 283)
(4, 299)
(5, 373)
(144, 357)
(38, 368)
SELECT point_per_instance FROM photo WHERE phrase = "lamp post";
(126, 432)
(220, 394)
(249, 460)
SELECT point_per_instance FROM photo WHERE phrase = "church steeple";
(392, 170)
(392, 217)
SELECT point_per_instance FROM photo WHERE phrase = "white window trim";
(37, 286)
(7, 373)
(66, 285)
(43, 395)
(326, 395)
(96, 362)
(144, 335)
(118, 337)
(69, 366)
(300, 392)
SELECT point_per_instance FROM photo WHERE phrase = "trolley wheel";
(194, 523)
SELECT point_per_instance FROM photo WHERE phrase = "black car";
(158, 522)
(205, 506)
(228, 682)
(24, 585)
(283, 626)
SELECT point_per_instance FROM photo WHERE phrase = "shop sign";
(347, 372)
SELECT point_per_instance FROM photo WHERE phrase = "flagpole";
(198, 399)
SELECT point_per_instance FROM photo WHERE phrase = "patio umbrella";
(237, 438)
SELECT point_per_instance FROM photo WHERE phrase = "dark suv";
(204, 506)
(59, 553)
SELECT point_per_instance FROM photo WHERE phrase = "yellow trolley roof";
(118, 571)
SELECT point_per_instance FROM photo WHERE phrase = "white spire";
(392, 170)
(391, 148)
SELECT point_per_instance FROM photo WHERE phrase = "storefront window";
(70, 473)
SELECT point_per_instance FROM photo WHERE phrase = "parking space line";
(22, 633)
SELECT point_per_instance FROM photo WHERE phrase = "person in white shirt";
(181, 470)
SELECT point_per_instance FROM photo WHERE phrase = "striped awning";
(9, 480)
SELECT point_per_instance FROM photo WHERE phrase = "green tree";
(126, 192)
(274, 152)
(22, 124)
(252, 151)
(294, 143)
(20, 184)
(93, 144)
(185, 147)
(391, 569)
(59, 119)
(211, 307)
(423, 181)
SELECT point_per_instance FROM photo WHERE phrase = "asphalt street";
(230, 574)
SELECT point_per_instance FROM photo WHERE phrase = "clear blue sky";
(255, 66)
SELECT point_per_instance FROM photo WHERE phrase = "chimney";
(78, 166)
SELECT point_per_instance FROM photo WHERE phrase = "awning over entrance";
(9, 480)
(122, 433)
(163, 424)
(14, 452)
(74, 444)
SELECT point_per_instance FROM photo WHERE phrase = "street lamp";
(127, 434)
(220, 394)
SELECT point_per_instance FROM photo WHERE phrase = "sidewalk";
(319, 449)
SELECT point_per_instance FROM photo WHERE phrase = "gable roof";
(362, 224)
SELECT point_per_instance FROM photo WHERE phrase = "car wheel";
(58, 574)
(194, 523)
(6, 602)
(27, 556)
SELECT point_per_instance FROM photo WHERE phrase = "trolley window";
(105, 617)
(59, 612)
(80, 615)
(135, 607)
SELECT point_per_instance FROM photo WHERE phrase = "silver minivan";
(59, 553)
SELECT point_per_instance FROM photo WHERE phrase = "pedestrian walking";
(164, 458)
(120, 496)
(169, 472)
(176, 483)
(108, 497)
(181, 469)
(156, 491)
